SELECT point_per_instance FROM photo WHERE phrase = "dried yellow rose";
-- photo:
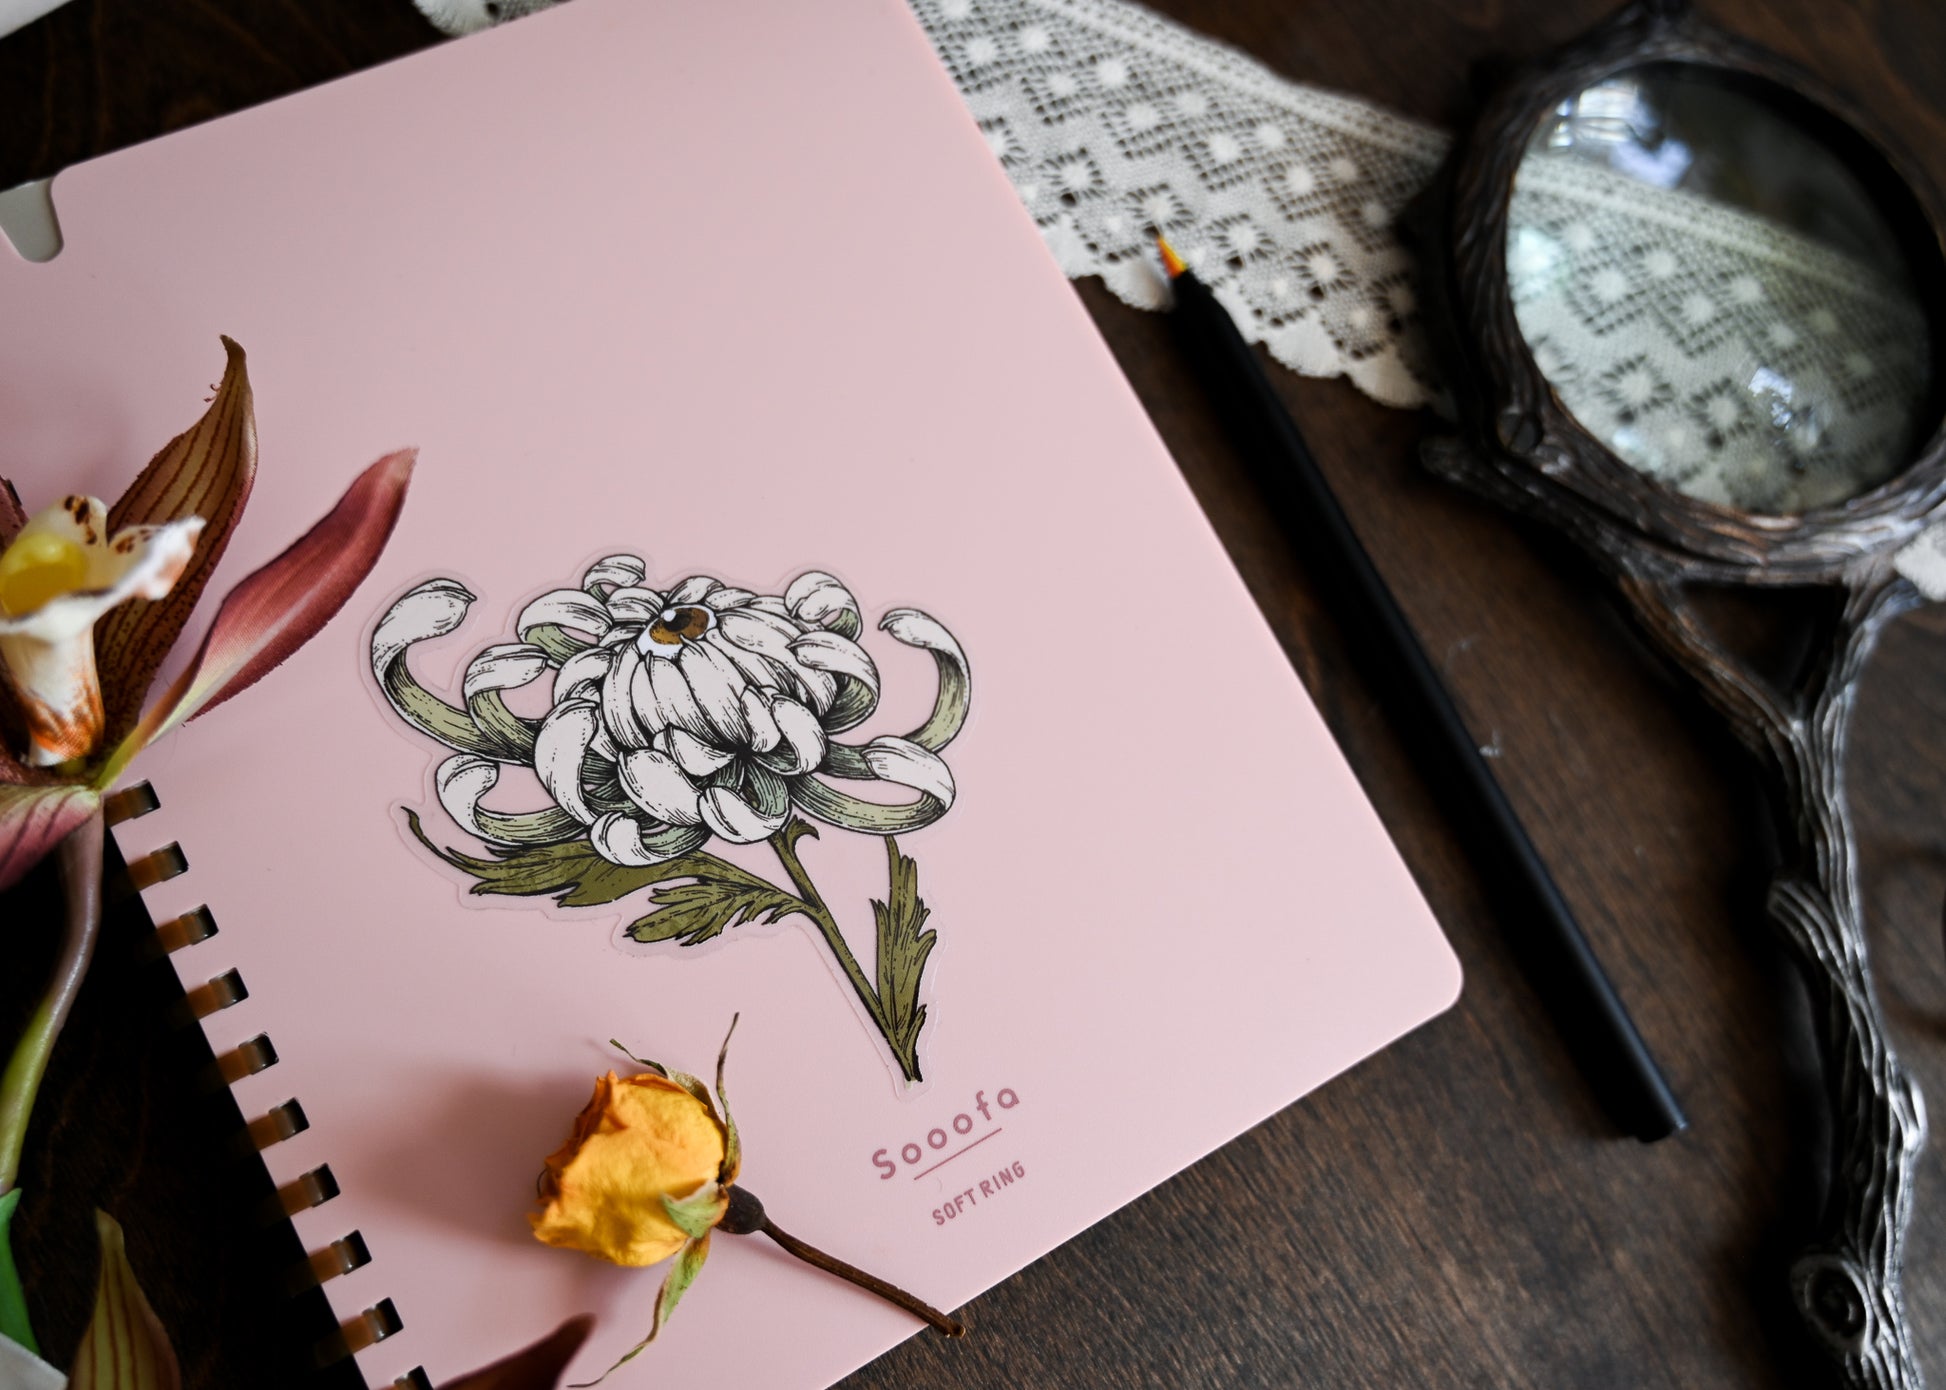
(640, 1139)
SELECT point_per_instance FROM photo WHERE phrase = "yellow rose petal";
(640, 1139)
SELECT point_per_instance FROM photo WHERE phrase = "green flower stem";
(79, 857)
(784, 842)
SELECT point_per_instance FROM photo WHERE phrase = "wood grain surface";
(1455, 1212)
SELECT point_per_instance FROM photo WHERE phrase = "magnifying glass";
(1693, 306)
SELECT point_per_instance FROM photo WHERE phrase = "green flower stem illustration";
(698, 896)
(784, 842)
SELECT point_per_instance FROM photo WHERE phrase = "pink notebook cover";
(733, 287)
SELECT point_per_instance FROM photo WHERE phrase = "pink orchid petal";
(33, 820)
(280, 607)
(207, 472)
(124, 1346)
(13, 515)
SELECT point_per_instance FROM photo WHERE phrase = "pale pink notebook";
(724, 288)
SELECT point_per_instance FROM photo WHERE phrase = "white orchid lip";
(680, 714)
(62, 572)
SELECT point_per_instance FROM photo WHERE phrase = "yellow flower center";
(674, 624)
(38, 568)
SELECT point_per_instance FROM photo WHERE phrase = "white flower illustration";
(677, 714)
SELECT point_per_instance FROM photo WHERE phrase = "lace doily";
(1725, 355)
(1112, 123)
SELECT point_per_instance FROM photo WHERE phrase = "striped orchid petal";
(955, 697)
(34, 819)
(206, 472)
(13, 516)
(124, 1346)
(281, 606)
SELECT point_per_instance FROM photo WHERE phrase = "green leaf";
(124, 1347)
(13, 1298)
(732, 1145)
(903, 946)
(697, 1214)
(689, 1263)
(644, 1063)
(696, 912)
(574, 874)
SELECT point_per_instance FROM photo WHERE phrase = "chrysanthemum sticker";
(679, 717)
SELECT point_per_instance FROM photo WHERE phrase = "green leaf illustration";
(701, 910)
(574, 874)
(903, 945)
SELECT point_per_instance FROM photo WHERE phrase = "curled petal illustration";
(635, 605)
(656, 782)
(620, 839)
(916, 629)
(717, 685)
(559, 751)
(620, 571)
(434, 609)
(897, 760)
(803, 742)
(505, 666)
(463, 779)
(819, 598)
(739, 821)
(620, 711)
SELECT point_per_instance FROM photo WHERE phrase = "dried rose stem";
(746, 1216)
(892, 1293)
(79, 857)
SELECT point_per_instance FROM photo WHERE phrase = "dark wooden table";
(1454, 1212)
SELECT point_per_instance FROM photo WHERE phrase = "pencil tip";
(1171, 262)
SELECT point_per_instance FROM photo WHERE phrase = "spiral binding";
(275, 1125)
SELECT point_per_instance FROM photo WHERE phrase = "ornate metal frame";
(1523, 448)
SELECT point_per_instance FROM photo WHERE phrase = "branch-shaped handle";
(1847, 1286)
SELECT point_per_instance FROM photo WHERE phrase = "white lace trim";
(1113, 123)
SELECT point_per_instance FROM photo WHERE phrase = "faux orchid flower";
(92, 598)
(126, 1348)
